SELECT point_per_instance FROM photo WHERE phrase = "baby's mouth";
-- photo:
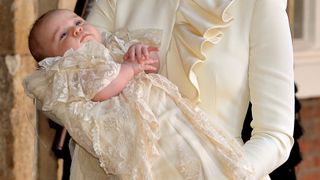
(83, 37)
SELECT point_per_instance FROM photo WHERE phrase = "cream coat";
(222, 54)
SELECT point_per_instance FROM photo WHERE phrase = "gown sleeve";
(78, 75)
(64, 86)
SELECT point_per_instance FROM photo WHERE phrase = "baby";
(131, 121)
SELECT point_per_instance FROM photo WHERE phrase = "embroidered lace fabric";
(147, 131)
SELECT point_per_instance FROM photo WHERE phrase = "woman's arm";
(271, 87)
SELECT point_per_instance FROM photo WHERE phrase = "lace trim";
(79, 74)
(119, 42)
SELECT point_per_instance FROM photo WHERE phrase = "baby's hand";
(144, 66)
(139, 53)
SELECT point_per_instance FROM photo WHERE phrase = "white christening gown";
(148, 131)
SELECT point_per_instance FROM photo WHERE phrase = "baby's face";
(63, 30)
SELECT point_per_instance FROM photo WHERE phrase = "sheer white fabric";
(147, 132)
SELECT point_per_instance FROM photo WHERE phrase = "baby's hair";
(33, 41)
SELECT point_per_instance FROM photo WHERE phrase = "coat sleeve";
(271, 87)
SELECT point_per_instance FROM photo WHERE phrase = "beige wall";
(17, 117)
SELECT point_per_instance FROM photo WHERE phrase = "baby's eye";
(63, 35)
(78, 22)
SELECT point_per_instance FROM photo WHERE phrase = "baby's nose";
(77, 30)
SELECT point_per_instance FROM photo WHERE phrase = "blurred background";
(26, 136)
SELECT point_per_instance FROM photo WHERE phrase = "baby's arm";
(139, 57)
(127, 71)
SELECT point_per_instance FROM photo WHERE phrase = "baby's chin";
(90, 40)
(89, 37)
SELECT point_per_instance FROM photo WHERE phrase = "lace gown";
(148, 131)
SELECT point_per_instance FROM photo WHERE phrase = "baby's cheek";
(98, 37)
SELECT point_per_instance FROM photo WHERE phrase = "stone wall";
(7, 27)
(17, 115)
(6, 136)
(25, 144)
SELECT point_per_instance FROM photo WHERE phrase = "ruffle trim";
(200, 24)
(78, 75)
(95, 52)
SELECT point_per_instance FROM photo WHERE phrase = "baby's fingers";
(130, 55)
(152, 48)
(125, 56)
(144, 55)
(150, 61)
(138, 51)
(148, 67)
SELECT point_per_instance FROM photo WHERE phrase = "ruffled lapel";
(199, 24)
